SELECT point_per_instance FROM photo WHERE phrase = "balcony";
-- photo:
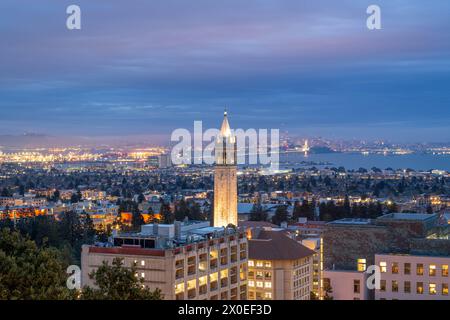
(179, 296)
(179, 264)
(224, 282)
(191, 270)
(179, 273)
(213, 286)
(223, 261)
(203, 289)
(191, 293)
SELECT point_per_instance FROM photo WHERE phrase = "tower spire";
(225, 130)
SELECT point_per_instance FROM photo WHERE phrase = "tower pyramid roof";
(225, 130)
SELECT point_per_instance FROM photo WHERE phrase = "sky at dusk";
(147, 67)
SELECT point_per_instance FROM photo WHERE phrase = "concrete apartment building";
(413, 277)
(186, 261)
(279, 267)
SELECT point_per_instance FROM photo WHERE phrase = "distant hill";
(317, 150)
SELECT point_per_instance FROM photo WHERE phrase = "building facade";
(185, 261)
(412, 277)
(279, 267)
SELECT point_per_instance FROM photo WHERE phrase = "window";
(383, 266)
(142, 275)
(394, 268)
(407, 287)
(251, 263)
(432, 288)
(142, 263)
(179, 288)
(419, 287)
(419, 269)
(259, 284)
(356, 286)
(259, 264)
(383, 285)
(432, 270)
(445, 270)
(445, 289)
(407, 268)
(268, 295)
(362, 265)
(268, 284)
(251, 283)
(268, 264)
(394, 286)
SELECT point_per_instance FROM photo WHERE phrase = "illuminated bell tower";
(225, 181)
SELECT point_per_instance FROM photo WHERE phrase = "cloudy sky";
(147, 67)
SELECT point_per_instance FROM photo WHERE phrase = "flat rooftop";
(352, 221)
(408, 216)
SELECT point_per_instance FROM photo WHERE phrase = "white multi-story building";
(186, 261)
(413, 277)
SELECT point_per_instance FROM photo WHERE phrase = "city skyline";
(145, 70)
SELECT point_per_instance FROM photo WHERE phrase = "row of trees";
(327, 211)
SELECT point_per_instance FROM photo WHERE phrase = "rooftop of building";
(276, 245)
(166, 236)
(351, 221)
(256, 224)
(407, 216)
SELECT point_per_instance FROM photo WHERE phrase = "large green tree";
(116, 282)
(29, 272)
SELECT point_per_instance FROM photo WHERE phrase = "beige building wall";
(411, 277)
(214, 269)
(280, 279)
(346, 285)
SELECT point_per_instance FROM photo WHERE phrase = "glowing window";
(259, 264)
(445, 289)
(251, 283)
(179, 288)
(432, 270)
(432, 288)
(142, 263)
(268, 284)
(419, 269)
(445, 270)
(394, 267)
(251, 263)
(268, 295)
(259, 284)
(383, 266)
(362, 265)
(419, 287)
(268, 264)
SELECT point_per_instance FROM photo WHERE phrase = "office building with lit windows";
(413, 277)
(279, 267)
(186, 261)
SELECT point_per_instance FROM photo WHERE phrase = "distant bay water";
(356, 161)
